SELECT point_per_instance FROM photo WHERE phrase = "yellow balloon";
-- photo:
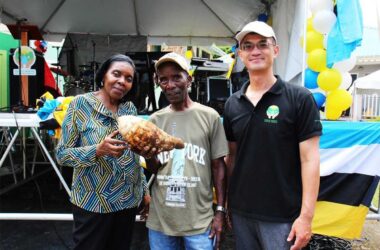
(339, 99)
(329, 79)
(333, 113)
(309, 24)
(316, 60)
(189, 54)
(314, 40)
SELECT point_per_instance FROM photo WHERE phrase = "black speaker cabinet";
(218, 88)
(36, 83)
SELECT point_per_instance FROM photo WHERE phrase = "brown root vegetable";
(143, 135)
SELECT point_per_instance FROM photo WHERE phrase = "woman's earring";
(101, 83)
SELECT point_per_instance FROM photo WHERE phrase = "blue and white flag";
(350, 170)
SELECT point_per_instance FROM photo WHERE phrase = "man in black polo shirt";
(273, 130)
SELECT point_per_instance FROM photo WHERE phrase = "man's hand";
(148, 152)
(110, 146)
(301, 231)
(145, 207)
(217, 228)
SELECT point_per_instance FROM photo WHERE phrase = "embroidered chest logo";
(272, 113)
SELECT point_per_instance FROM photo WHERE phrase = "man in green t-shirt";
(181, 204)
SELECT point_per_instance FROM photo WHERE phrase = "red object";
(50, 81)
(59, 71)
(32, 30)
(39, 46)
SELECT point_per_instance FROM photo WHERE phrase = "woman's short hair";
(105, 67)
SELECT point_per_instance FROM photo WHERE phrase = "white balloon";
(346, 65)
(323, 21)
(318, 5)
(346, 80)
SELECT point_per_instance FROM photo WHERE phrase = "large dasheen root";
(143, 135)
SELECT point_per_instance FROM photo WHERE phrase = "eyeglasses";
(262, 45)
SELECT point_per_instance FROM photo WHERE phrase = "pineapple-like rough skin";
(143, 135)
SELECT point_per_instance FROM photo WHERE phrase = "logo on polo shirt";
(272, 113)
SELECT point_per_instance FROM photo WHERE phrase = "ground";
(45, 195)
(370, 237)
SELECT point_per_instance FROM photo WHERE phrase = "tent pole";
(52, 14)
(217, 16)
(136, 18)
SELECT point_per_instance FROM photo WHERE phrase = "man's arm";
(230, 160)
(218, 168)
(230, 163)
(301, 229)
(153, 164)
(219, 178)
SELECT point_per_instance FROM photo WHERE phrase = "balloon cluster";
(41, 45)
(327, 82)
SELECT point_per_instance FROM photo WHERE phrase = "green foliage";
(226, 49)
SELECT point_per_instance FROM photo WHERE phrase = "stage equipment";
(59, 71)
(35, 83)
(144, 62)
(218, 88)
(94, 65)
(199, 90)
(74, 87)
(23, 32)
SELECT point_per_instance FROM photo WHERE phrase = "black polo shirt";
(266, 182)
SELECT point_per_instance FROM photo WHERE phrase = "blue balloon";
(319, 99)
(311, 79)
(262, 17)
(44, 43)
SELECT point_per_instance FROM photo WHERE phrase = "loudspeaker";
(218, 88)
(36, 83)
(144, 62)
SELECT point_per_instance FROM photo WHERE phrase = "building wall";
(363, 70)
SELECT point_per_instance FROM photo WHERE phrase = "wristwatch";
(220, 209)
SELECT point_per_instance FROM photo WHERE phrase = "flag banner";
(350, 170)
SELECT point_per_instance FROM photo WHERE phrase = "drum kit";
(84, 82)
(81, 84)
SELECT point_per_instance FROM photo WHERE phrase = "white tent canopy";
(371, 81)
(183, 20)
(173, 22)
(367, 97)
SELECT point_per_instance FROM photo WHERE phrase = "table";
(31, 121)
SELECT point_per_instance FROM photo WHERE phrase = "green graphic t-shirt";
(182, 192)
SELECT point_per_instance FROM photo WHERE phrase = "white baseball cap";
(175, 58)
(257, 27)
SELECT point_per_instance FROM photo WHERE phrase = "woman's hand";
(110, 146)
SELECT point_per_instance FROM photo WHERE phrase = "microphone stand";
(58, 66)
(20, 106)
(93, 64)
